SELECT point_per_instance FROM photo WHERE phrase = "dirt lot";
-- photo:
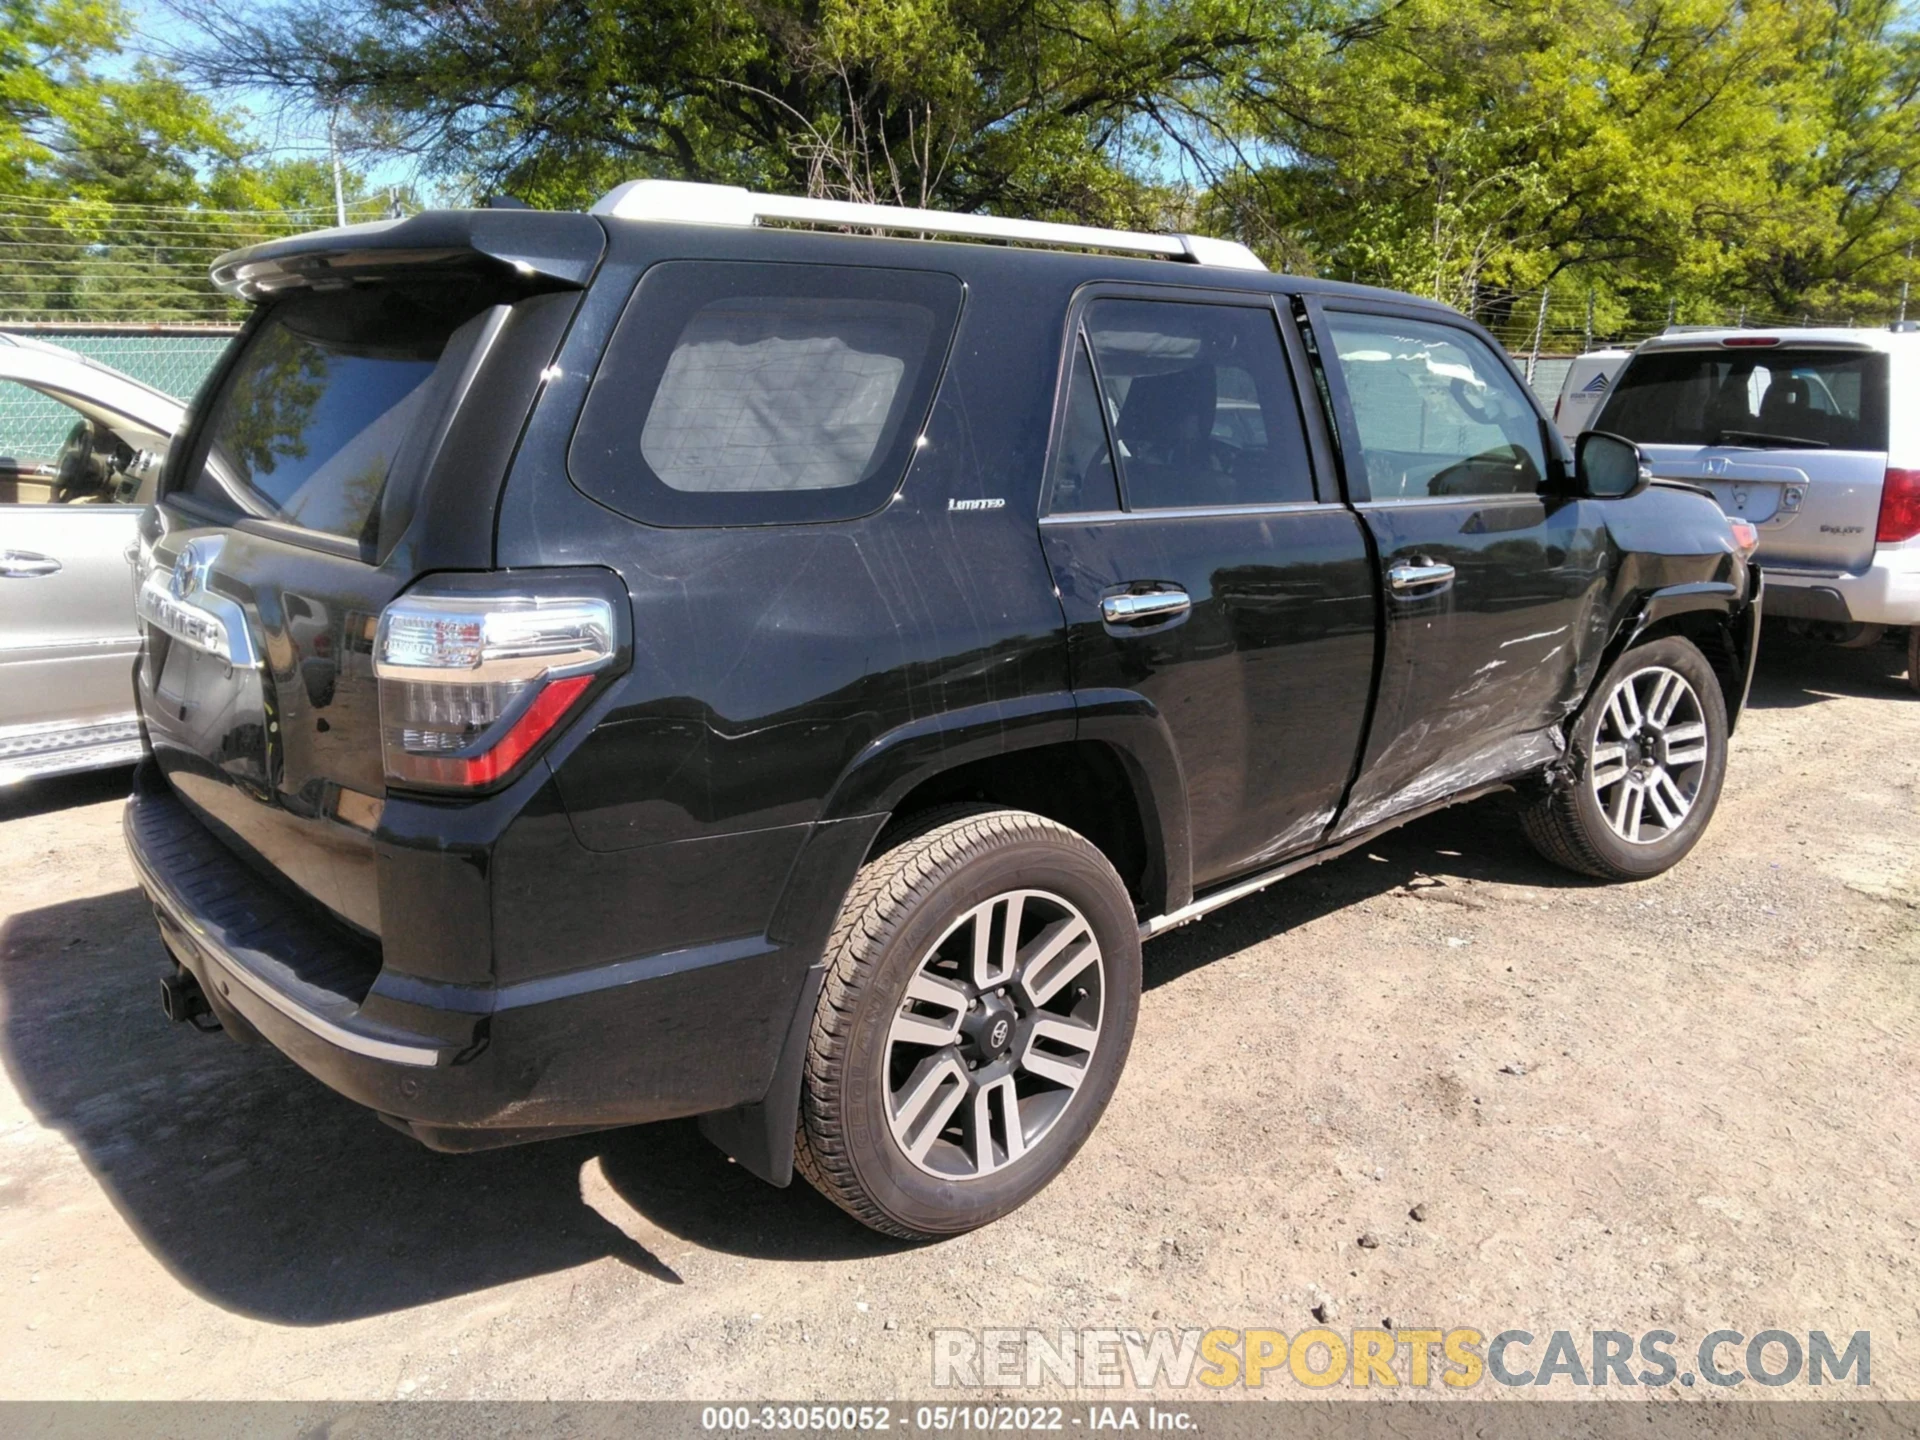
(1684, 1104)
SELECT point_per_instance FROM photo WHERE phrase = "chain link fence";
(32, 426)
(1544, 329)
(127, 285)
(88, 262)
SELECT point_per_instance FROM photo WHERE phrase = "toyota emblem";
(190, 568)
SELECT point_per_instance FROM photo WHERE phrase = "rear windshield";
(312, 414)
(1831, 399)
(739, 394)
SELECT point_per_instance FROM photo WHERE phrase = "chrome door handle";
(25, 565)
(1139, 609)
(1406, 576)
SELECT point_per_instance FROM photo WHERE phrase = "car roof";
(553, 245)
(1846, 337)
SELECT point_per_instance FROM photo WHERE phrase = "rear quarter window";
(735, 393)
(1830, 399)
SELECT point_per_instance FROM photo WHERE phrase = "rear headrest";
(1174, 411)
(1787, 398)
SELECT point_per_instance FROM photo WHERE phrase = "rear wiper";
(1761, 438)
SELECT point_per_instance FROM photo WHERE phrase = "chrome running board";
(59, 747)
(1254, 884)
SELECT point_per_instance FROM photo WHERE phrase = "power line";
(52, 202)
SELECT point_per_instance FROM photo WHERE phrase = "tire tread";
(884, 892)
(1553, 822)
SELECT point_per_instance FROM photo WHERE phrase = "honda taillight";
(471, 684)
(1899, 507)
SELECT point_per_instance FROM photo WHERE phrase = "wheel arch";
(1100, 761)
(1709, 613)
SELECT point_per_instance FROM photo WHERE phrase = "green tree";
(118, 183)
(1698, 152)
(1051, 108)
(1690, 155)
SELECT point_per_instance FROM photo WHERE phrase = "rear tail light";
(1746, 535)
(472, 684)
(1899, 507)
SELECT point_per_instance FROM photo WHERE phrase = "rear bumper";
(1887, 592)
(460, 1067)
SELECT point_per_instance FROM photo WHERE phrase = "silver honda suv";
(1804, 433)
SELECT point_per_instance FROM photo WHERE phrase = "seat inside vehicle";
(1167, 427)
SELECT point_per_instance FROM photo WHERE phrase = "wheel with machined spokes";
(1649, 755)
(999, 1026)
(979, 1002)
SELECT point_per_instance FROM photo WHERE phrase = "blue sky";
(283, 131)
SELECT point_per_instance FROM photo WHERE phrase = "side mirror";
(1609, 467)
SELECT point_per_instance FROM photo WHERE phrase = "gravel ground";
(1684, 1104)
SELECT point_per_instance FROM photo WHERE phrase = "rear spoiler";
(544, 249)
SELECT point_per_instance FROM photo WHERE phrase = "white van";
(1584, 387)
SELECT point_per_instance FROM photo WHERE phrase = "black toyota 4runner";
(606, 667)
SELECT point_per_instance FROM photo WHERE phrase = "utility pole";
(1539, 329)
(1904, 280)
(333, 149)
(1589, 344)
(1671, 303)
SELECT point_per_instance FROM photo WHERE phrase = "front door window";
(1438, 413)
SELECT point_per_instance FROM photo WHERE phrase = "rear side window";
(1761, 397)
(736, 394)
(313, 412)
(1083, 460)
(1200, 404)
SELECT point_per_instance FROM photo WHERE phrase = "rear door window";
(735, 393)
(1200, 404)
(1082, 477)
(1760, 397)
(313, 412)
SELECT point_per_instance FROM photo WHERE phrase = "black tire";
(1913, 659)
(1570, 826)
(936, 875)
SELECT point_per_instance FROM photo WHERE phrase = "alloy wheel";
(996, 1030)
(1649, 755)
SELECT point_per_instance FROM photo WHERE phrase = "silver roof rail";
(689, 203)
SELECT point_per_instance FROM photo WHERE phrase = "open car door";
(79, 459)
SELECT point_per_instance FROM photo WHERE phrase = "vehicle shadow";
(1478, 841)
(63, 792)
(272, 1196)
(1794, 672)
